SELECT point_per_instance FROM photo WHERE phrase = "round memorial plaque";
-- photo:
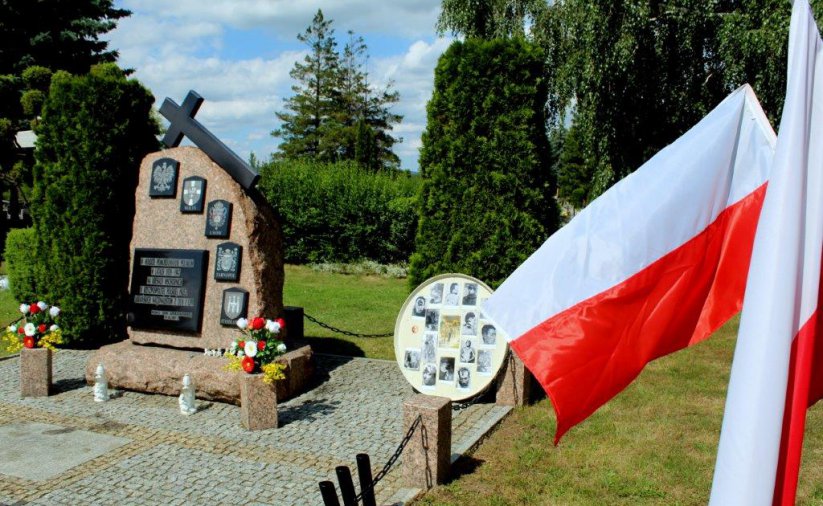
(442, 341)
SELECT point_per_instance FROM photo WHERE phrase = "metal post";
(346, 486)
(329, 493)
(364, 475)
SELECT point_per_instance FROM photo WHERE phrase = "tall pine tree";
(335, 110)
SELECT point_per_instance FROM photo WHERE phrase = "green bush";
(21, 263)
(341, 212)
(94, 132)
(487, 199)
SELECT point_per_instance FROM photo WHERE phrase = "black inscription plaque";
(167, 288)
(164, 178)
(218, 219)
(235, 305)
(227, 263)
(194, 194)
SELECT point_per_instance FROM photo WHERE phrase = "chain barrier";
(460, 406)
(341, 331)
(389, 463)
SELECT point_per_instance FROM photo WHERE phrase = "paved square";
(41, 451)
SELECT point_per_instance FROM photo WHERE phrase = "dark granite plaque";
(194, 195)
(235, 305)
(167, 288)
(218, 219)
(227, 262)
(164, 178)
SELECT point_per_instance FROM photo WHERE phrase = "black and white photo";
(470, 294)
(484, 361)
(467, 352)
(469, 325)
(488, 334)
(446, 369)
(432, 319)
(453, 297)
(429, 345)
(419, 308)
(436, 295)
(411, 360)
(463, 378)
(429, 375)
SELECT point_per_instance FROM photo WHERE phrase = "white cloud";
(173, 47)
(409, 18)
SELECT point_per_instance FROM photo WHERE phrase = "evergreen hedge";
(487, 199)
(342, 212)
(21, 263)
(94, 132)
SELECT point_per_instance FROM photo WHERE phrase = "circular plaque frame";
(443, 343)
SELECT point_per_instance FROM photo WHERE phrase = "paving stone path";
(208, 458)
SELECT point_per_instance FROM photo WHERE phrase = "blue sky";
(238, 54)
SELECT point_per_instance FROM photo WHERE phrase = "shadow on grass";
(334, 346)
(465, 465)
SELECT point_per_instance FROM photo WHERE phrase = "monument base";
(159, 370)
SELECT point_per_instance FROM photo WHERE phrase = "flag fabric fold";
(776, 371)
(655, 264)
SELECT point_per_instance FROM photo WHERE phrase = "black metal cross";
(182, 122)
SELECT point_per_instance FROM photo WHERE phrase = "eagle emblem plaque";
(164, 178)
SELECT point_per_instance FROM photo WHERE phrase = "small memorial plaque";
(164, 178)
(235, 305)
(218, 219)
(167, 289)
(227, 263)
(194, 194)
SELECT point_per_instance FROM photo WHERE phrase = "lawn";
(655, 443)
(358, 304)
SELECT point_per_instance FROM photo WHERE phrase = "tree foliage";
(488, 19)
(486, 201)
(335, 110)
(94, 132)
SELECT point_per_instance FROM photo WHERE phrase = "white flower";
(251, 348)
(53, 328)
(12, 328)
(54, 311)
(42, 305)
(24, 308)
(30, 329)
(281, 347)
(233, 348)
(271, 326)
(240, 354)
(242, 323)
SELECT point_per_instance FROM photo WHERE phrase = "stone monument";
(206, 250)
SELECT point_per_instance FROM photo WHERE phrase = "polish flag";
(655, 264)
(777, 370)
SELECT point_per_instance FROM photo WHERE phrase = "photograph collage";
(452, 345)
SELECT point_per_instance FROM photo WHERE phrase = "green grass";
(655, 443)
(363, 304)
(8, 312)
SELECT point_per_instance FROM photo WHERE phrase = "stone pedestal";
(258, 403)
(427, 457)
(35, 372)
(514, 384)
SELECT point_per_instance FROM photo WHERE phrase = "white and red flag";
(777, 363)
(655, 264)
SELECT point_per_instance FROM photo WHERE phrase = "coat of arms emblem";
(192, 192)
(233, 304)
(162, 177)
(218, 213)
(227, 259)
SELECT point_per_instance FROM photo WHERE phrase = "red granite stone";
(514, 384)
(35, 372)
(258, 402)
(427, 457)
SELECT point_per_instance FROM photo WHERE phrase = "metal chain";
(460, 406)
(341, 331)
(389, 463)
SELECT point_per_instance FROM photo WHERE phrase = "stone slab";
(41, 451)
(35, 372)
(159, 370)
(514, 383)
(158, 223)
(258, 403)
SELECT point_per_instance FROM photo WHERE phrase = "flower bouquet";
(37, 328)
(258, 349)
